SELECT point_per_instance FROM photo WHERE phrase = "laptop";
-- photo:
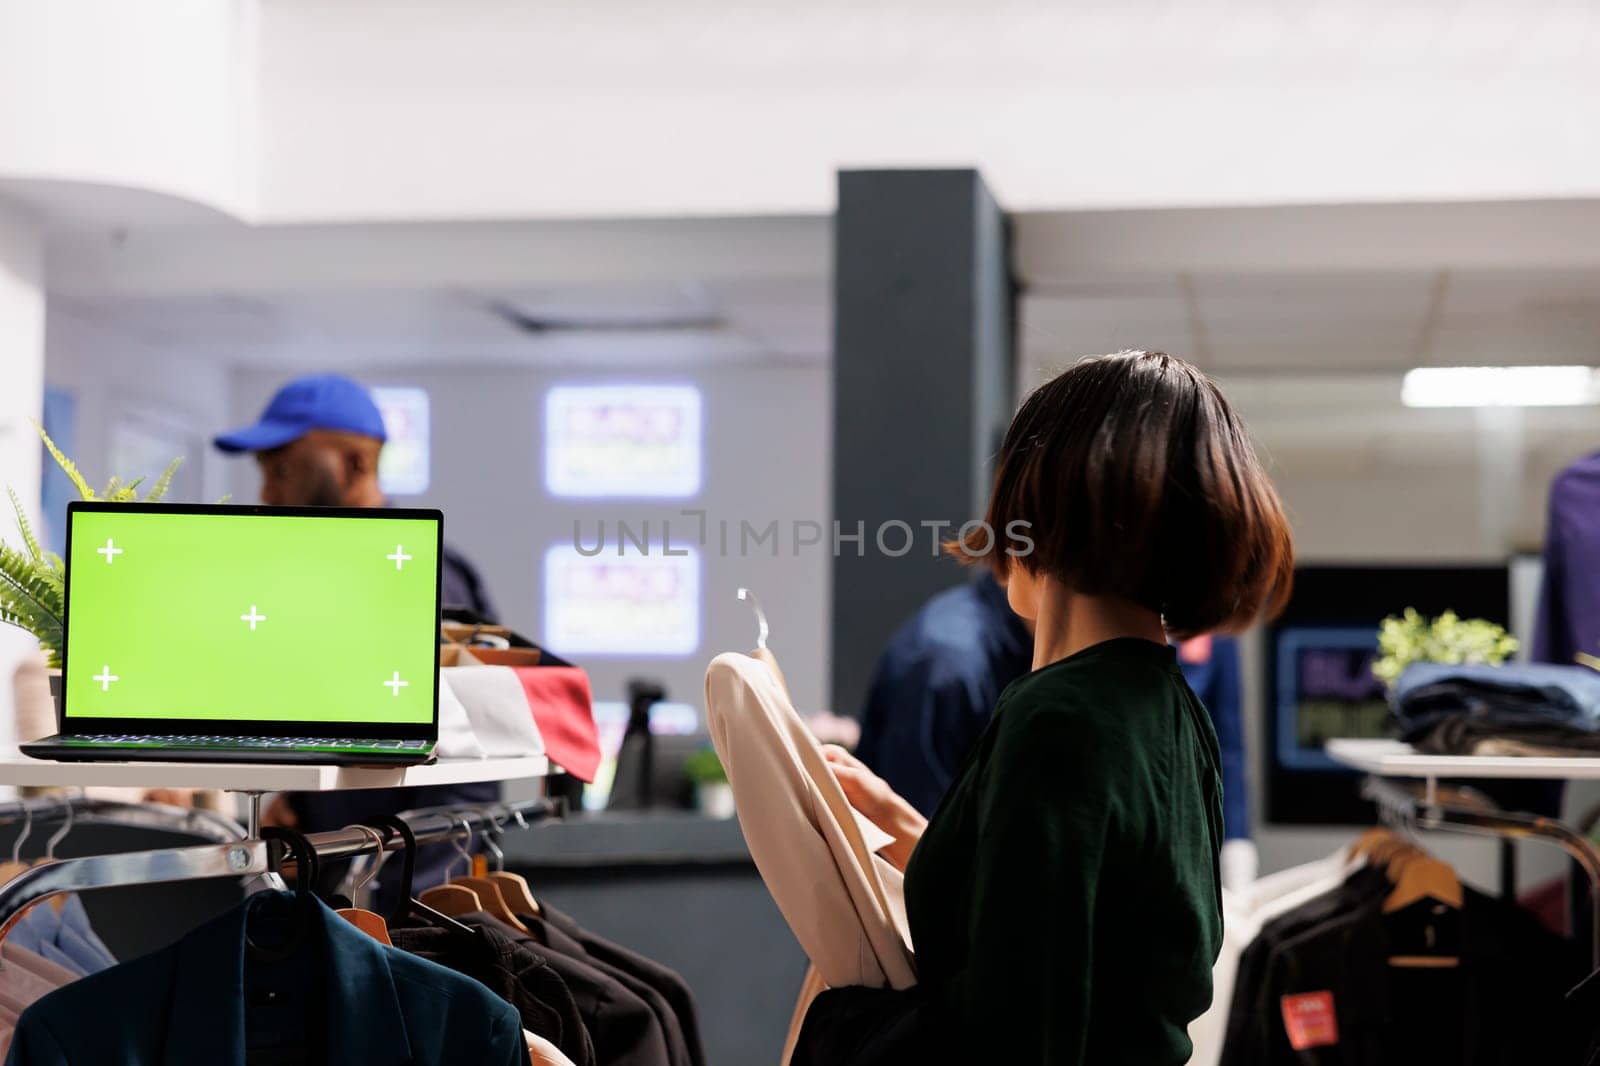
(249, 634)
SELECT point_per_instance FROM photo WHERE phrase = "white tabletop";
(1391, 758)
(19, 769)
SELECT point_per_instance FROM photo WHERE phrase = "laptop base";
(71, 748)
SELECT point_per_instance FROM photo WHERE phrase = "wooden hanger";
(1423, 877)
(452, 900)
(514, 888)
(1363, 845)
(494, 901)
(369, 923)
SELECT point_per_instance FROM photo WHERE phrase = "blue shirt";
(935, 686)
(939, 679)
(65, 938)
(194, 1002)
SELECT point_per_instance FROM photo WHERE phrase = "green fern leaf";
(112, 487)
(23, 526)
(65, 464)
(54, 574)
(27, 585)
(164, 482)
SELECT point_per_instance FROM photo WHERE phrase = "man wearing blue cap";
(317, 444)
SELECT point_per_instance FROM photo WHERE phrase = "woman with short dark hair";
(1064, 901)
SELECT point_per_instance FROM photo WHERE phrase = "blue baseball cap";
(317, 401)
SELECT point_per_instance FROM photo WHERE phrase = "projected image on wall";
(622, 440)
(403, 465)
(631, 605)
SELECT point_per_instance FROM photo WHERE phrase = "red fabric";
(1547, 902)
(563, 709)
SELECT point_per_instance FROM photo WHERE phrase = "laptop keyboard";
(357, 745)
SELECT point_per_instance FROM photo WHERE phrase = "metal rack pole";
(1428, 813)
(243, 858)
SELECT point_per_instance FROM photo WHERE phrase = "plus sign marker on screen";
(252, 618)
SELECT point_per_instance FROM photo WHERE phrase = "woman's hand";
(882, 805)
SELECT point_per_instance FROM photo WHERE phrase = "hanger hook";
(60, 834)
(761, 617)
(377, 839)
(488, 837)
(27, 827)
(463, 846)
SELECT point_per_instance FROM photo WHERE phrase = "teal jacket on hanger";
(335, 996)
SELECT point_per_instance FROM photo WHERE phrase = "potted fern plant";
(33, 581)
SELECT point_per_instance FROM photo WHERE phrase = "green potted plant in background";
(1411, 638)
(33, 584)
(712, 793)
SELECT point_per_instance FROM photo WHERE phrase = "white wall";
(114, 375)
(156, 96)
(766, 455)
(22, 363)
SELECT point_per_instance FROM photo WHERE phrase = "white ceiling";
(1236, 323)
(1240, 291)
(769, 320)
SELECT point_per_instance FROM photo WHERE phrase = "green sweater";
(1064, 901)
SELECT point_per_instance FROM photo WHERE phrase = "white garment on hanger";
(815, 852)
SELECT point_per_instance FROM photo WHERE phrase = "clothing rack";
(243, 857)
(1424, 808)
(82, 810)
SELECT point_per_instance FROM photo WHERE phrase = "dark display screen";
(1319, 682)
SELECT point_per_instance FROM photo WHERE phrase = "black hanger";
(409, 905)
(305, 857)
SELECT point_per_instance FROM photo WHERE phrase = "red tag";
(1308, 1019)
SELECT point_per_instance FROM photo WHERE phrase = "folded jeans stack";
(1522, 709)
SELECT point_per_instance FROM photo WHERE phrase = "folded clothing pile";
(1521, 709)
(507, 711)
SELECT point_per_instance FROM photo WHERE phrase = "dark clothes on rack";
(668, 983)
(207, 997)
(321, 812)
(625, 1031)
(1500, 1006)
(1065, 900)
(514, 972)
(556, 939)
(1582, 1010)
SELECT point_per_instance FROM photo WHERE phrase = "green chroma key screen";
(252, 616)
